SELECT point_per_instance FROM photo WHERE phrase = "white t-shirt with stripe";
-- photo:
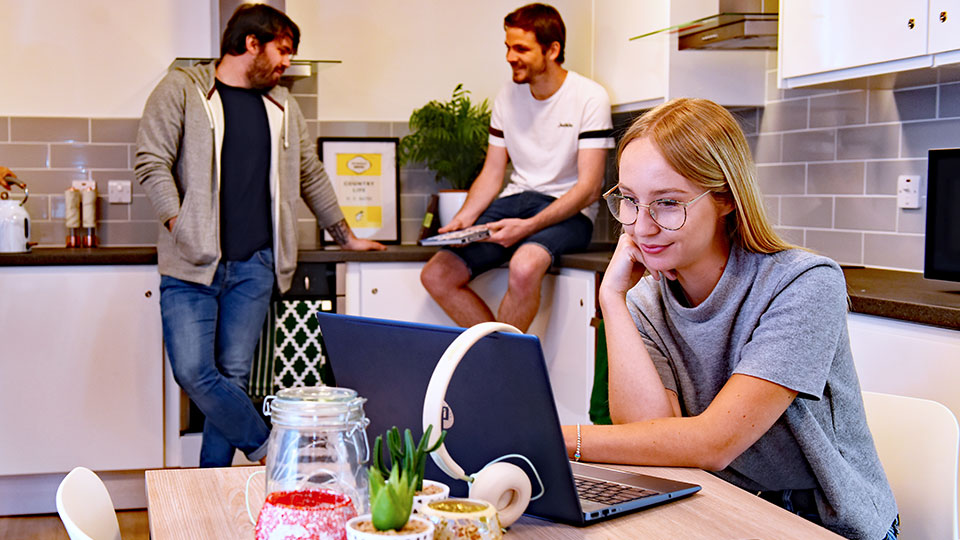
(542, 137)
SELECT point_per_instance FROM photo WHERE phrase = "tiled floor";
(133, 526)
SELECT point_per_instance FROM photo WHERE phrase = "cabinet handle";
(373, 290)
(943, 16)
(148, 294)
(911, 23)
(306, 282)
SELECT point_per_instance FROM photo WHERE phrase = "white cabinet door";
(944, 22)
(567, 305)
(81, 369)
(825, 35)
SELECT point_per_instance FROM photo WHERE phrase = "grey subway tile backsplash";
(49, 180)
(791, 234)
(843, 247)
(38, 206)
(869, 142)
(772, 206)
(141, 209)
(784, 115)
(765, 147)
(866, 213)
(881, 176)
(29, 129)
(919, 137)
(819, 145)
(90, 156)
(781, 179)
(913, 220)
(836, 178)
(51, 233)
(22, 155)
(838, 109)
(903, 105)
(111, 212)
(949, 100)
(893, 250)
(355, 129)
(128, 233)
(806, 211)
(114, 130)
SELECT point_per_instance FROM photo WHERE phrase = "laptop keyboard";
(609, 493)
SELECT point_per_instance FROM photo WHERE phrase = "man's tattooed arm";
(340, 232)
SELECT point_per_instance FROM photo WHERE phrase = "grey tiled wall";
(828, 160)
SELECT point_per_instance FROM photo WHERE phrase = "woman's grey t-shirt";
(779, 317)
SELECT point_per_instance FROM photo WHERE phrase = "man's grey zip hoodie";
(177, 162)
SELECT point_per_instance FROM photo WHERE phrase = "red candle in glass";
(305, 515)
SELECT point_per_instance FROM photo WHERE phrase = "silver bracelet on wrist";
(576, 455)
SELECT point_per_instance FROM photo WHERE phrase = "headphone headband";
(437, 389)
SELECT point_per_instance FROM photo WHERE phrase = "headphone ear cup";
(506, 487)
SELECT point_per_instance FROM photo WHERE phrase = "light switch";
(119, 191)
(908, 191)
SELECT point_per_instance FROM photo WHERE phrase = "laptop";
(498, 402)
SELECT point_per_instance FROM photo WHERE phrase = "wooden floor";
(133, 526)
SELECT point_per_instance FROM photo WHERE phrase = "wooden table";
(199, 504)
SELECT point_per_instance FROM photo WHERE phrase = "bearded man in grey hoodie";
(224, 155)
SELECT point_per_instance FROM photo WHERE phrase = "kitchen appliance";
(728, 25)
(14, 221)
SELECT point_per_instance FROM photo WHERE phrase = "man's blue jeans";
(210, 333)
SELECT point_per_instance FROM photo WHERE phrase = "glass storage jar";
(318, 443)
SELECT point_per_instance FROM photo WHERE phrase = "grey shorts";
(570, 235)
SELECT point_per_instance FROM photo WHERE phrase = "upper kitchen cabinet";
(642, 73)
(824, 41)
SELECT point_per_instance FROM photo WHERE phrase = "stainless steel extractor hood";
(738, 25)
(734, 25)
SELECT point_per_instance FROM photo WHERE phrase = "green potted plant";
(451, 139)
(392, 490)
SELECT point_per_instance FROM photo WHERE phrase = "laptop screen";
(499, 399)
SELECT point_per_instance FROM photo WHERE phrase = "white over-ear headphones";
(502, 484)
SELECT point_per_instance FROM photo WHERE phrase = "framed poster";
(366, 176)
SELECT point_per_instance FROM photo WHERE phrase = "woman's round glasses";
(667, 213)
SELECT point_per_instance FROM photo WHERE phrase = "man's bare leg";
(527, 267)
(445, 277)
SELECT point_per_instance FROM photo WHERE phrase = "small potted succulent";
(392, 490)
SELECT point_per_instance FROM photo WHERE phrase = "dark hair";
(545, 23)
(264, 22)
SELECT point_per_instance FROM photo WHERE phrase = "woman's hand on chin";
(625, 269)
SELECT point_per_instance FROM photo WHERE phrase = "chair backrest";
(85, 507)
(917, 440)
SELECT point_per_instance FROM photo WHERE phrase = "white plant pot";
(419, 500)
(355, 534)
(450, 202)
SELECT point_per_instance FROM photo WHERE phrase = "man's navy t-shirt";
(245, 218)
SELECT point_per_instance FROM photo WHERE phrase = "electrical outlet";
(908, 191)
(84, 184)
(119, 191)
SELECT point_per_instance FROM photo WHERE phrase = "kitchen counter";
(905, 296)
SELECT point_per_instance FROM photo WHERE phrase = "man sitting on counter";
(555, 126)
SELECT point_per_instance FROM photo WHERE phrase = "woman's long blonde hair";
(704, 143)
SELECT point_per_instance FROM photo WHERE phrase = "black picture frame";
(371, 205)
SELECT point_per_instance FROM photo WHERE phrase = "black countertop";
(886, 293)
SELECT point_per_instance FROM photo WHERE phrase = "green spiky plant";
(392, 489)
(449, 137)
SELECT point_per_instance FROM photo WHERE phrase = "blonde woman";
(732, 355)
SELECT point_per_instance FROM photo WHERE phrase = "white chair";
(85, 507)
(917, 440)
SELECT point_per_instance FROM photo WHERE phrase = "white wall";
(101, 58)
(93, 58)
